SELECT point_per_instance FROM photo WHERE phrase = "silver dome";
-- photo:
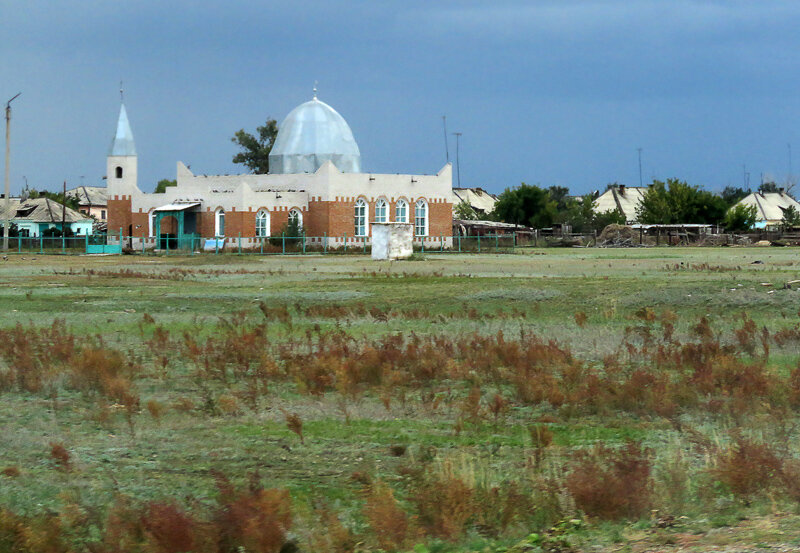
(312, 134)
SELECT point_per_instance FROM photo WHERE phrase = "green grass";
(536, 290)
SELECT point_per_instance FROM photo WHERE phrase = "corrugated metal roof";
(40, 210)
(89, 195)
(621, 198)
(477, 198)
(770, 205)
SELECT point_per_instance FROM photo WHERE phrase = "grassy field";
(552, 400)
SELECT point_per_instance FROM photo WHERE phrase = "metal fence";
(273, 245)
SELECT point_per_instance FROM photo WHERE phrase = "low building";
(625, 199)
(92, 201)
(478, 199)
(35, 216)
(770, 206)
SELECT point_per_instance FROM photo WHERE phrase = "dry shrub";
(748, 468)
(500, 507)
(397, 450)
(444, 505)
(11, 472)
(333, 537)
(183, 404)
(228, 405)
(294, 423)
(581, 319)
(60, 456)
(541, 438)
(387, 519)
(498, 407)
(40, 534)
(255, 519)
(156, 409)
(168, 528)
(611, 483)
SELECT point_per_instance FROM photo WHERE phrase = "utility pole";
(7, 225)
(640, 167)
(458, 157)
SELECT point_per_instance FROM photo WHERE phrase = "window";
(421, 218)
(152, 224)
(361, 218)
(102, 214)
(296, 218)
(219, 223)
(262, 223)
(381, 211)
(401, 212)
(119, 172)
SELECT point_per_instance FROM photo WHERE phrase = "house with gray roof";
(34, 216)
(770, 206)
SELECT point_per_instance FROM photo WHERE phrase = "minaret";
(122, 161)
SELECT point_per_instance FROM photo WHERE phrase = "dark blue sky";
(549, 92)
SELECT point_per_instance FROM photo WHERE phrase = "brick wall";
(119, 215)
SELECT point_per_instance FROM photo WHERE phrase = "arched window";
(401, 212)
(296, 219)
(381, 211)
(361, 218)
(421, 218)
(119, 172)
(262, 223)
(219, 223)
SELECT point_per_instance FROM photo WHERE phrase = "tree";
(791, 217)
(767, 187)
(732, 194)
(741, 218)
(525, 205)
(162, 185)
(255, 151)
(464, 211)
(676, 202)
(70, 201)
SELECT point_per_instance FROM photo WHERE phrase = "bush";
(611, 483)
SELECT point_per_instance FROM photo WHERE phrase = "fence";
(275, 245)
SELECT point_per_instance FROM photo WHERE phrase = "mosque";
(315, 178)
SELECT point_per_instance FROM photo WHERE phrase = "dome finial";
(315, 89)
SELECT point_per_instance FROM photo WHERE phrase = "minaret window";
(119, 172)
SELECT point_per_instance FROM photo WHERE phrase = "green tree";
(677, 202)
(791, 217)
(162, 185)
(732, 194)
(464, 211)
(741, 218)
(525, 205)
(70, 201)
(767, 187)
(255, 150)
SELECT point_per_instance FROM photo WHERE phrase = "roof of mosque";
(312, 134)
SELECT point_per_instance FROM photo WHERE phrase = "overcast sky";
(546, 92)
